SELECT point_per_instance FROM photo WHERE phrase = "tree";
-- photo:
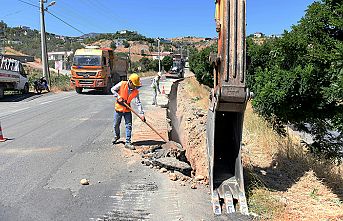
(200, 65)
(145, 63)
(126, 44)
(167, 47)
(167, 62)
(153, 65)
(113, 45)
(298, 78)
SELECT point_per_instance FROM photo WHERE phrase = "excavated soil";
(188, 115)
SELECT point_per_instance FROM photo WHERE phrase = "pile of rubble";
(170, 158)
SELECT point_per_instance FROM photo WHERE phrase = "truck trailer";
(97, 68)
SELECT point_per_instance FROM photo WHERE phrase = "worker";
(155, 87)
(124, 92)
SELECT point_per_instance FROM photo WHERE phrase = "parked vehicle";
(40, 85)
(12, 76)
(97, 68)
(177, 70)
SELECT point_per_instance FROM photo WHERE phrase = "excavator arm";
(227, 106)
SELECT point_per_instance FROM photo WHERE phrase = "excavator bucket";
(227, 106)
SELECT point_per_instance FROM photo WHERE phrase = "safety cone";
(2, 138)
(163, 91)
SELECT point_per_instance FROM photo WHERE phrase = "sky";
(152, 18)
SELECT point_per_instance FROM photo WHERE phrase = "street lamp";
(50, 4)
(159, 55)
(43, 39)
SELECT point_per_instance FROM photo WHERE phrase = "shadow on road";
(21, 97)
(147, 143)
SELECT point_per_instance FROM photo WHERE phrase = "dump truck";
(12, 76)
(228, 102)
(97, 68)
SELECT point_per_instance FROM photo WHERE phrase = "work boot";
(129, 146)
(115, 139)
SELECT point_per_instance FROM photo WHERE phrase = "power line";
(29, 3)
(13, 13)
(53, 16)
(65, 22)
(70, 12)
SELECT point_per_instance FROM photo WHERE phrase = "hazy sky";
(152, 18)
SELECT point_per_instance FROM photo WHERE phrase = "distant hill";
(90, 35)
(27, 41)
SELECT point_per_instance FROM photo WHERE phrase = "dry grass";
(198, 92)
(282, 174)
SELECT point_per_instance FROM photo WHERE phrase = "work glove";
(143, 118)
(121, 101)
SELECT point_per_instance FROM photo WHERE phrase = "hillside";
(27, 41)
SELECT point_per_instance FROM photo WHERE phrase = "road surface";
(55, 140)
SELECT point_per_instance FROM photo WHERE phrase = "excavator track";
(226, 112)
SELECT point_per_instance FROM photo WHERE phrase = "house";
(162, 55)
(62, 57)
(119, 42)
(16, 42)
(258, 34)
(24, 28)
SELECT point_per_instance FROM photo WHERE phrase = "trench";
(176, 132)
(175, 122)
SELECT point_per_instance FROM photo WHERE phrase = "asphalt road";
(55, 140)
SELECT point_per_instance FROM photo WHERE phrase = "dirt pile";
(190, 112)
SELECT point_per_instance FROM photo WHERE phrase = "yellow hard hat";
(134, 78)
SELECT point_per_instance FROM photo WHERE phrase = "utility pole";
(43, 42)
(130, 59)
(181, 55)
(159, 55)
(2, 42)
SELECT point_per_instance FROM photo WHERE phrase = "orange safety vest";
(124, 93)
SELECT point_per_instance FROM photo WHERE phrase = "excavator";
(228, 102)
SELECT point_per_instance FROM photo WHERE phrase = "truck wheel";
(78, 90)
(26, 89)
(2, 94)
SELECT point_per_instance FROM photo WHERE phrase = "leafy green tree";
(153, 65)
(113, 45)
(145, 63)
(167, 47)
(200, 65)
(297, 79)
(167, 62)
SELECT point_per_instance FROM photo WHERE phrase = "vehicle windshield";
(87, 60)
